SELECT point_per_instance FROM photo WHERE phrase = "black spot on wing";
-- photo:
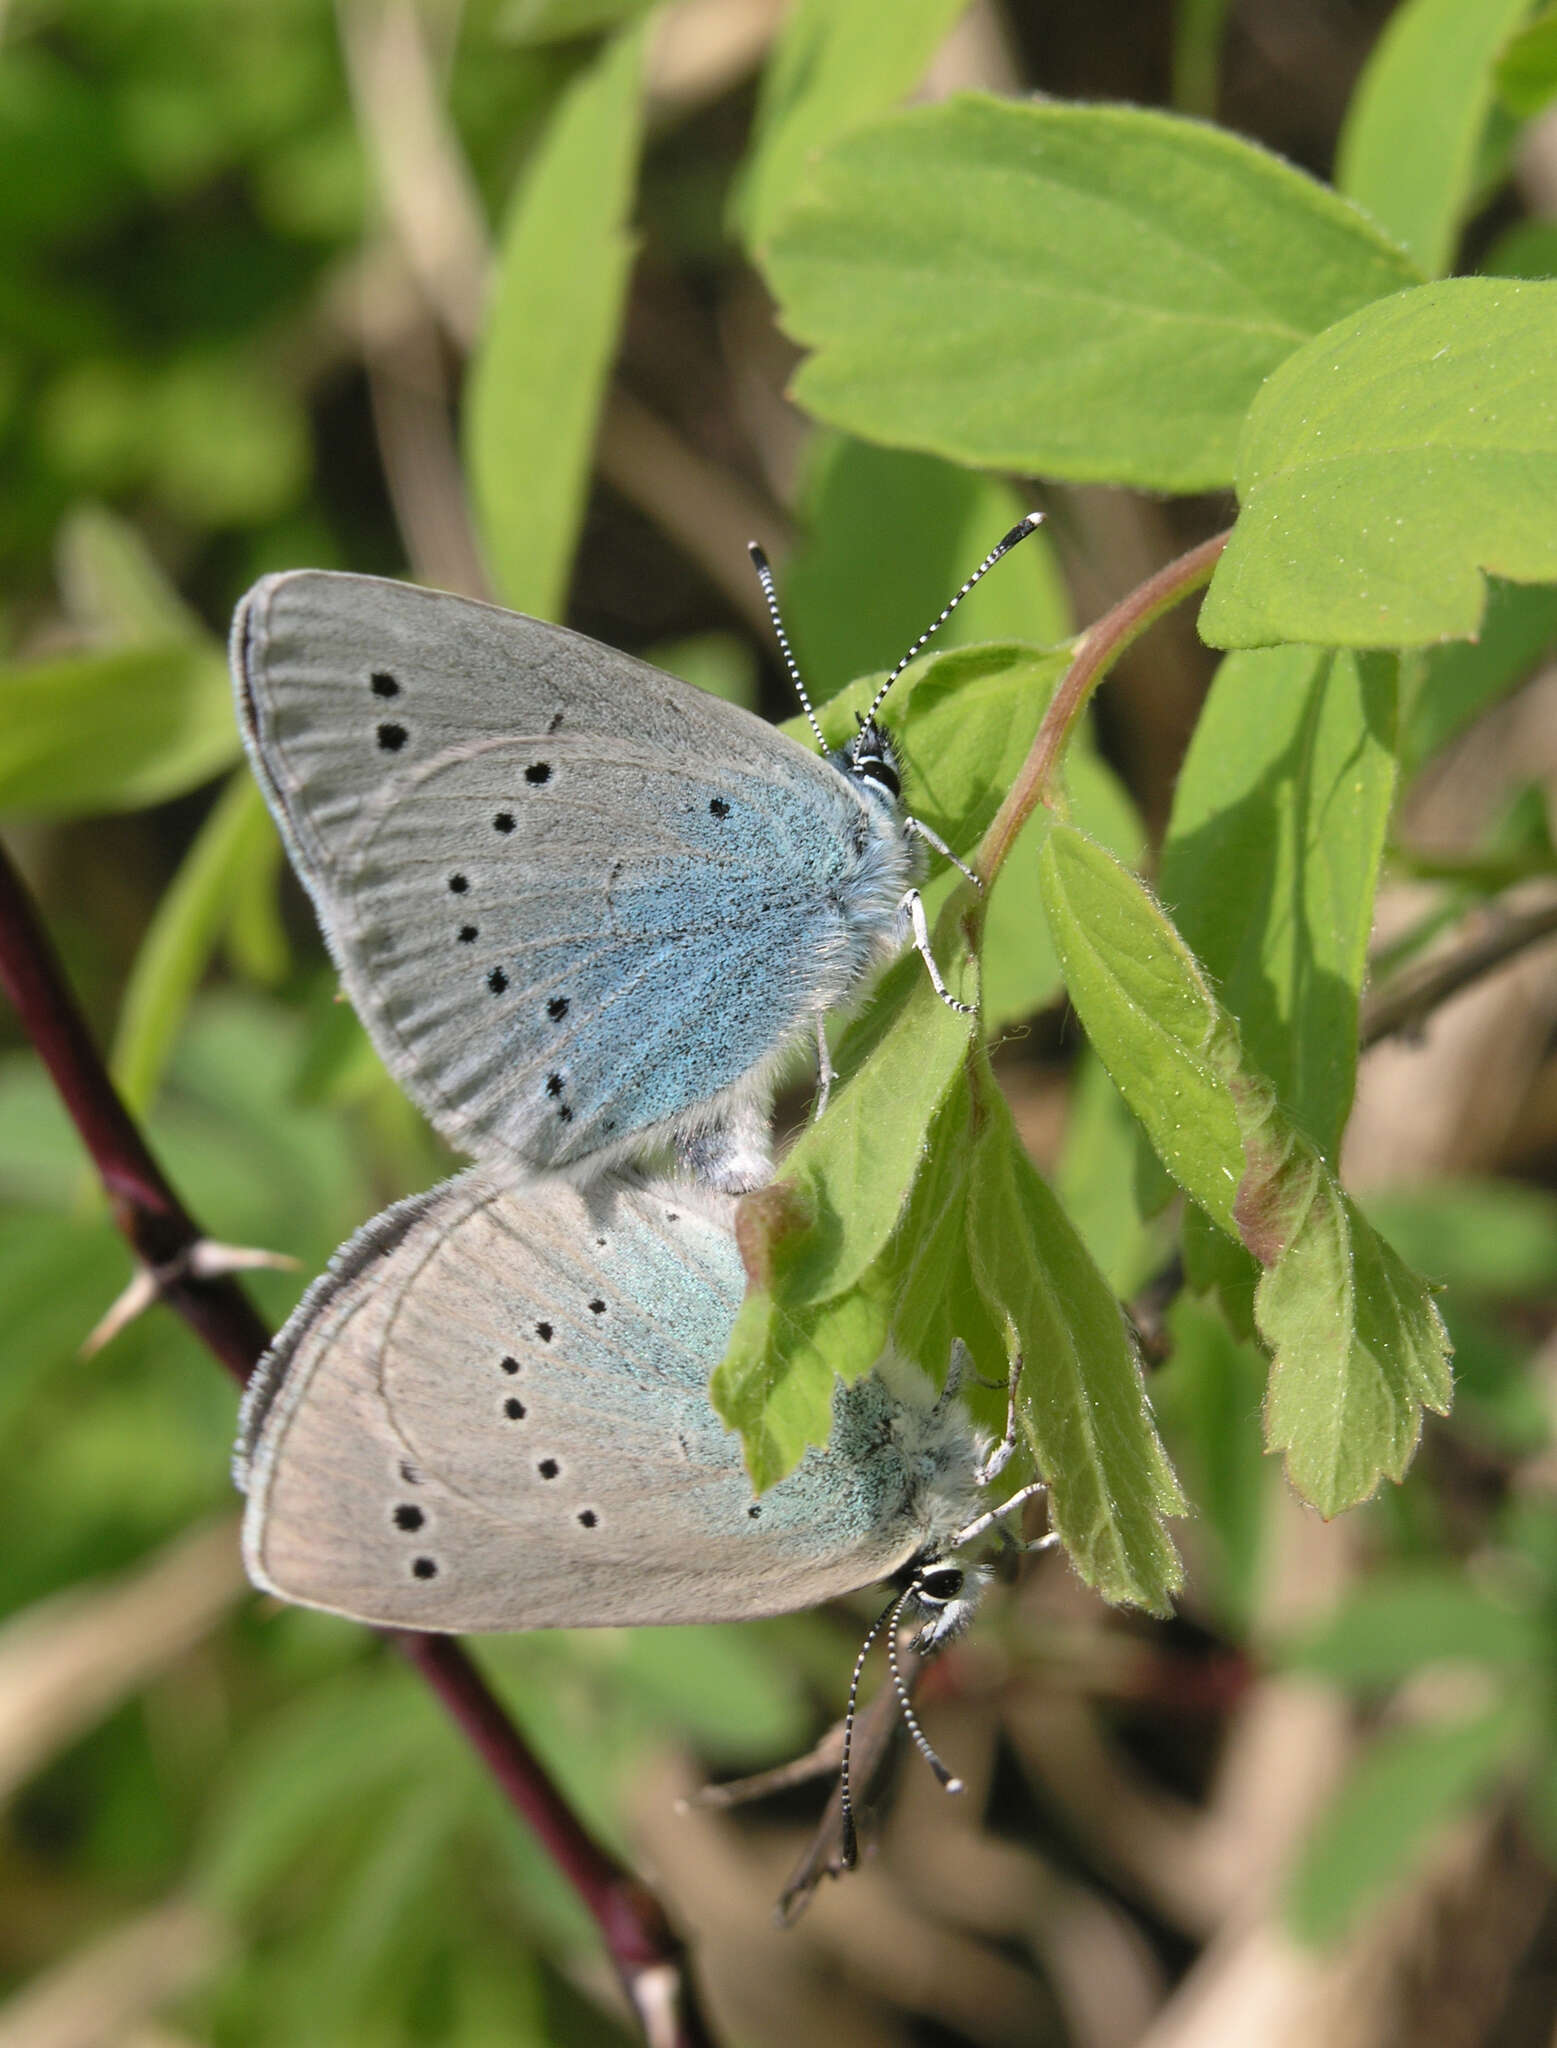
(409, 1516)
(497, 981)
(383, 684)
(538, 772)
(424, 1567)
(392, 738)
(503, 822)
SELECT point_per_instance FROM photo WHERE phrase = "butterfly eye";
(940, 1584)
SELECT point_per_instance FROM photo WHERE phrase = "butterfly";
(584, 909)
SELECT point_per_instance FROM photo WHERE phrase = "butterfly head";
(871, 758)
(944, 1597)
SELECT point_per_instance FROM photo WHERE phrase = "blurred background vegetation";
(243, 253)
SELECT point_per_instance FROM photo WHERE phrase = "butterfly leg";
(934, 839)
(734, 1155)
(912, 910)
(987, 1521)
(1001, 1455)
(824, 1071)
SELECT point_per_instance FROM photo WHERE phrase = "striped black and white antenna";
(1024, 526)
(888, 1619)
(1030, 523)
(765, 578)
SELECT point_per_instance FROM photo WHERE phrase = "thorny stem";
(645, 1951)
(1101, 646)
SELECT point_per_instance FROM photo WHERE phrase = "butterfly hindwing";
(493, 1414)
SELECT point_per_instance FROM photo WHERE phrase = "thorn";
(203, 1260)
(136, 1298)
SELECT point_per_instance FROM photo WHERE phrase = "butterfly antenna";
(1019, 532)
(759, 562)
(851, 1847)
(911, 1720)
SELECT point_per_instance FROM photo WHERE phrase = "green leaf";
(1443, 689)
(1407, 1786)
(852, 606)
(813, 1234)
(1527, 69)
(831, 68)
(1083, 1403)
(1019, 967)
(1358, 1348)
(1150, 1015)
(1387, 1630)
(237, 836)
(113, 732)
(1272, 858)
(1389, 464)
(1409, 149)
(551, 333)
(1088, 292)
(1096, 1176)
(114, 588)
(974, 1247)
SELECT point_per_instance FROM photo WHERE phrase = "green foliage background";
(264, 271)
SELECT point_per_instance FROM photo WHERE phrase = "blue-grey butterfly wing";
(493, 1414)
(572, 898)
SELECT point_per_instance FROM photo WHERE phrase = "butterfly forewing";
(493, 1414)
(572, 898)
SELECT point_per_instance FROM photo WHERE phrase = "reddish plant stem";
(144, 1207)
(1101, 646)
(647, 1955)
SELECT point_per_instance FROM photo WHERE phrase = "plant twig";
(648, 1957)
(1101, 646)
(1404, 1004)
(144, 1208)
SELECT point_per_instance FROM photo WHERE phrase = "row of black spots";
(504, 822)
(513, 1407)
(409, 1519)
(391, 736)
(555, 1084)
